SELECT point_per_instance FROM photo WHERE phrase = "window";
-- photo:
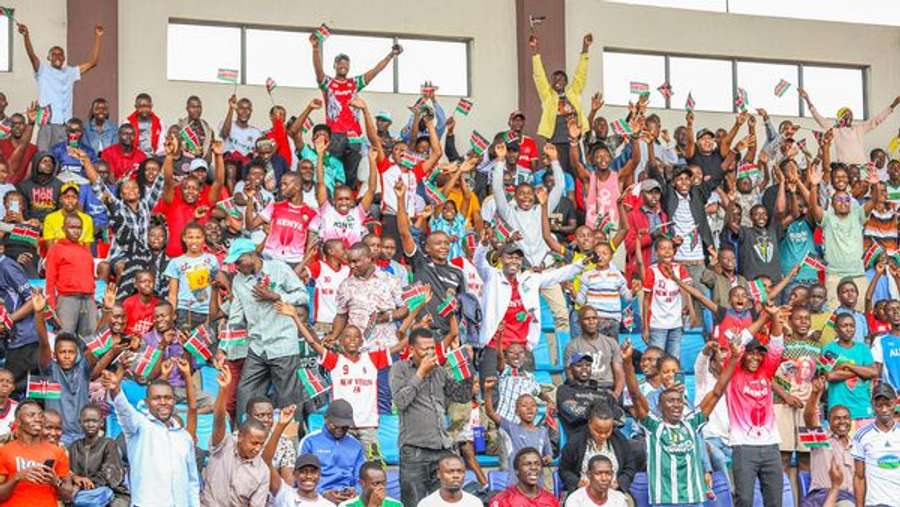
(711, 83)
(830, 89)
(760, 80)
(620, 69)
(708, 81)
(444, 63)
(876, 12)
(5, 39)
(197, 52)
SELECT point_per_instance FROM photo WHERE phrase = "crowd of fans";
(324, 267)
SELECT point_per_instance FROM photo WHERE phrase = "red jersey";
(136, 311)
(515, 321)
(289, 227)
(178, 214)
(337, 93)
(528, 152)
(121, 164)
(513, 497)
(17, 174)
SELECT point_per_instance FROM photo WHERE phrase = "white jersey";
(880, 451)
(7, 419)
(435, 500)
(474, 283)
(327, 280)
(287, 497)
(357, 382)
(580, 498)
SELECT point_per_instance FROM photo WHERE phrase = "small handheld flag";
(51, 318)
(191, 139)
(100, 344)
(5, 130)
(311, 382)
(801, 144)
(323, 32)
(639, 88)
(196, 344)
(781, 88)
(478, 142)
(758, 291)
(665, 90)
(229, 207)
(622, 128)
(433, 193)
(510, 136)
(353, 137)
(502, 232)
(270, 85)
(818, 135)
(748, 170)
(414, 297)
(740, 102)
(24, 234)
(470, 241)
(628, 318)
(7, 12)
(229, 338)
(409, 160)
(43, 388)
(872, 254)
(813, 438)
(42, 116)
(227, 75)
(689, 103)
(147, 361)
(447, 307)
(814, 263)
(459, 365)
(464, 106)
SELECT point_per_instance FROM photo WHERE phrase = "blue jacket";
(340, 459)
(15, 292)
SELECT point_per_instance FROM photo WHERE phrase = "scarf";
(155, 129)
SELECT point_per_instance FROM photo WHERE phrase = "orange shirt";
(15, 457)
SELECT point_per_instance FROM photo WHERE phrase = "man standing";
(55, 83)
(17, 149)
(451, 473)
(31, 469)
(340, 454)
(149, 130)
(273, 355)
(236, 473)
(337, 92)
(837, 452)
(22, 339)
(240, 137)
(875, 479)
(99, 132)
(194, 108)
(123, 157)
(421, 391)
(162, 465)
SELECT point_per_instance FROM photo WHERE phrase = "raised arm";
(321, 189)
(556, 193)
(815, 210)
(489, 384)
(45, 352)
(497, 188)
(371, 183)
(575, 152)
(29, 49)
(696, 294)
(95, 51)
(436, 151)
(640, 405)
(317, 58)
(403, 225)
(229, 117)
(690, 146)
(168, 168)
(291, 311)
(296, 129)
(541, 84)
(396, 49)
(725, 143)
(285, 417)
(546, 232)
(215, 190)
(220, 412)
(812, 109)
(708, 404)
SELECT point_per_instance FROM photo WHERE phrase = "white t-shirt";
(242, 139)
(580, 498)
(666, 303)
(435, 500)
(348, 228)
(310, 199)
(7, 421)
(880, 451)
(327, 280)
(357, 382)
(288, 497)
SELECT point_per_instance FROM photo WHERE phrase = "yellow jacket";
(549, 98)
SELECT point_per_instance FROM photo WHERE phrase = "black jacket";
(698, 194)
(574, 401)
(573, 455)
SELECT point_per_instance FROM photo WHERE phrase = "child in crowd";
(189, 280)
(97, 469)
(850, 380)
(449, 220)
(7, 404)
(847, 296)
(70, 280)
(664, 302)
(157, 238)
(328, 273)
(515, 380)
(604, 288)
(139, 306)
(52, 427)
(708, 367)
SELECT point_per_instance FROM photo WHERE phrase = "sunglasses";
(843, 199)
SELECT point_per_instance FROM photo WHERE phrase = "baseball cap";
(340, 413)
(883, 390)
(580, 356)
(512, 248)
(70, 186)
(755, 344)
(650, 184)
(705, 132)
(307, 460)
(516, 113)
(238, 248)
(384, 115)
(199, 163)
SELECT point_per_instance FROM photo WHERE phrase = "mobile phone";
(679, 378)
(50, 463)
(14, 206)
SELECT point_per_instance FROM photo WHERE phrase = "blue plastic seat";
(639, 491)
(562, 339)
(721, 490)
(497, 480)
(541, 353)
(388, 436)
(691, 345)
(787, 494)
(803, 480)
(547, 323)
(393, 483)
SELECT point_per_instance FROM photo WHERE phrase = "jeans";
(349, 154)
(668, 340)
(418, 473)
(757, 461)
(719, 454)
(97, 497)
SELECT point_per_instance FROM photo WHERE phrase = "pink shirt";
(288, 228)
(601, 198)
(751, 409)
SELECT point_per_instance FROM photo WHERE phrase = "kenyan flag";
(227, 75)
(622, 128)
(447, 307)
(478, 142)
(5, 130)
(758, 291)
(354, 137)
(502, 232)
(409, 159)
(690, 103)
(147, 361)
(229, 338)
(639, 88)
(434, 194)
(414, 297)
(229, 207)
(100, 344)
(459, 365)
(43, 388)
(197, 345)
(748, 170)
(43, 115)
(464, 106)
(813, 438)
(311, 383)
(781, 88)
(323, 32)
(24, 234)
(872, 254)
(191, 139)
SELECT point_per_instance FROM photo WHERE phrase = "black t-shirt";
(758, 251)
(711, 164)
(562, 214)
(442, 278)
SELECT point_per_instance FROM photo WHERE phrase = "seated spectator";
(53, 222)
(451, 472)
(528, 466)
(341, 454)
(598, 490)
(603, 350)
(837, 452)
(579, 392)
(97, 469)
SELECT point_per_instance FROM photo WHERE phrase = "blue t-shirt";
(796, 243)
(16, 292)
(886, 350)
(193, 275)
(882, 289)
(55, 88)
(521, 437)
(93, 206)
(854, 393)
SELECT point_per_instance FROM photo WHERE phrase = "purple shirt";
(152, 339)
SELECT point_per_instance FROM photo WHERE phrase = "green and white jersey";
(674, 467)
(358, 502)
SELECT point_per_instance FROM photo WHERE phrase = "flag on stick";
(741, 100)
(872, 254)
(478, 142)
(781, 88)
(814, 263)
(748, 170)
(639, 88)
(147, 361)
(813, 438)
(409, 159)
(43, 388)
(311, 382)
(622, 128)
(229, 338)
(464, 106)
(665, 89)
(270, 85)
(459, 365)
(227, 76)
(100, 344)
(323, 32)
(414, 297)
(447, 307)
(502, 232)
(433, 193)
(191, 139)
(689, 103)
(43, 115)
(758, 291)
(307, 125)
(197, 343)
(229, 207)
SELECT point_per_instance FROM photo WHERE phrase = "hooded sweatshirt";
(41, 191)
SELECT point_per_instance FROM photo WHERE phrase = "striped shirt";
(514, 382)
(686, 227)
(674, 466)
(881, 226)
(604, 290)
